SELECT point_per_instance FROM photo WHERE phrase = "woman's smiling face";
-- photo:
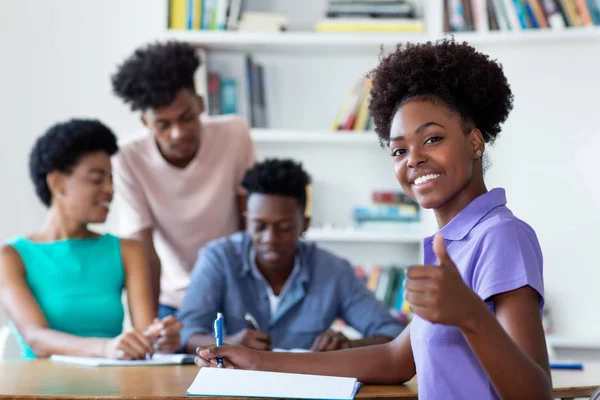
(433, 157)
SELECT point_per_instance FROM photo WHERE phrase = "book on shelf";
(519, 15)
(205, 15)
(370, 16)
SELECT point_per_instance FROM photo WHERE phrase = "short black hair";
(281, 177)
(152, 75)
(61, 147)
(464, 80)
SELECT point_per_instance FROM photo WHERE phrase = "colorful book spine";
(178, 14)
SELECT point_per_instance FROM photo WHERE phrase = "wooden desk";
(44, 379)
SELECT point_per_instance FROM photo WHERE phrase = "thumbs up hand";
(437, 293)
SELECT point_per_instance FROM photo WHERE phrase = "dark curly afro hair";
(152, 75)
(464, 80)
(282, 177)
(61, 147)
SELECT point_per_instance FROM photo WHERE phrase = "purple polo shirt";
(495, 252)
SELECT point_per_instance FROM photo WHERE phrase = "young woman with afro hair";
(477, 300)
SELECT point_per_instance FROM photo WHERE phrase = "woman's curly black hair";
(282, 177)
(61, 147)
(464, 80)
(152, 75)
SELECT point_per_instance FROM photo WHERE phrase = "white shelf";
(339, 42)
(312, 137)
(353, 236)
(292, 41)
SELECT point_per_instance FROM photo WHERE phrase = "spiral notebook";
(242, 383)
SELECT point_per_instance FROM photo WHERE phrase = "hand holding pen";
(165, 334)
(252, 337)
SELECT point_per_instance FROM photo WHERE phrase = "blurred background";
(295, 69)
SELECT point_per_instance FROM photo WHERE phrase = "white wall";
(57, 56)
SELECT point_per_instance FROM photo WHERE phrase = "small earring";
(478, 153)
(59, 196)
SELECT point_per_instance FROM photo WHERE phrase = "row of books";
(373, 16)
(515, 15)
(354, 114)
(387, 284)
(224, 94)
(389, 211)
(216, 15)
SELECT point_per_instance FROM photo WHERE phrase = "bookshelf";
(300, 61)
(316, 137)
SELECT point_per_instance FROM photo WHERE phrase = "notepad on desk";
(157, 359)
(242, 383)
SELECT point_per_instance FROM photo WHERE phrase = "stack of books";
(370, 16)
(389, 212)
(517, 15)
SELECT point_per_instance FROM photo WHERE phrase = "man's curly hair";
(455, 74)
(281, 177)
(61, 147)
(152, 75)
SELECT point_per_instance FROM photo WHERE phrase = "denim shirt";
(324, 289)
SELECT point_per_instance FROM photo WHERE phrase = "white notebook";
(242, 383)
(157, 359)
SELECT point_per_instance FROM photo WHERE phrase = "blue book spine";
(206, 14)
(521, 13)
(594, 12)
(531, 15)
(229, 97)
(190, 14)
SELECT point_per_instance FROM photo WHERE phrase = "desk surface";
(44, 379)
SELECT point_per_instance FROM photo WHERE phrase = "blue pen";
(219, 335)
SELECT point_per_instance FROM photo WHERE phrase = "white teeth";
(425, 178)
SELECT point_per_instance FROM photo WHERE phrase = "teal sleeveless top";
(78, 284)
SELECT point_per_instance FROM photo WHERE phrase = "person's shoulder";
(227, 126)
(136, 145)
(501, 223)
(10, 257)
(227, 248)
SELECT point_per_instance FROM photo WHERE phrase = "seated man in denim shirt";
(293, 289)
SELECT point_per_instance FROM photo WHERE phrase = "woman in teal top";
(62, 285)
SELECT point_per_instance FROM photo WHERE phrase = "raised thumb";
(439, 248)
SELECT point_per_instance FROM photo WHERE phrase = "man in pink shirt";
(178, 183)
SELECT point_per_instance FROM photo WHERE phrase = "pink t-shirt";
(185, 207)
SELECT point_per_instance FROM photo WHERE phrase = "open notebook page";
(242, 383)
